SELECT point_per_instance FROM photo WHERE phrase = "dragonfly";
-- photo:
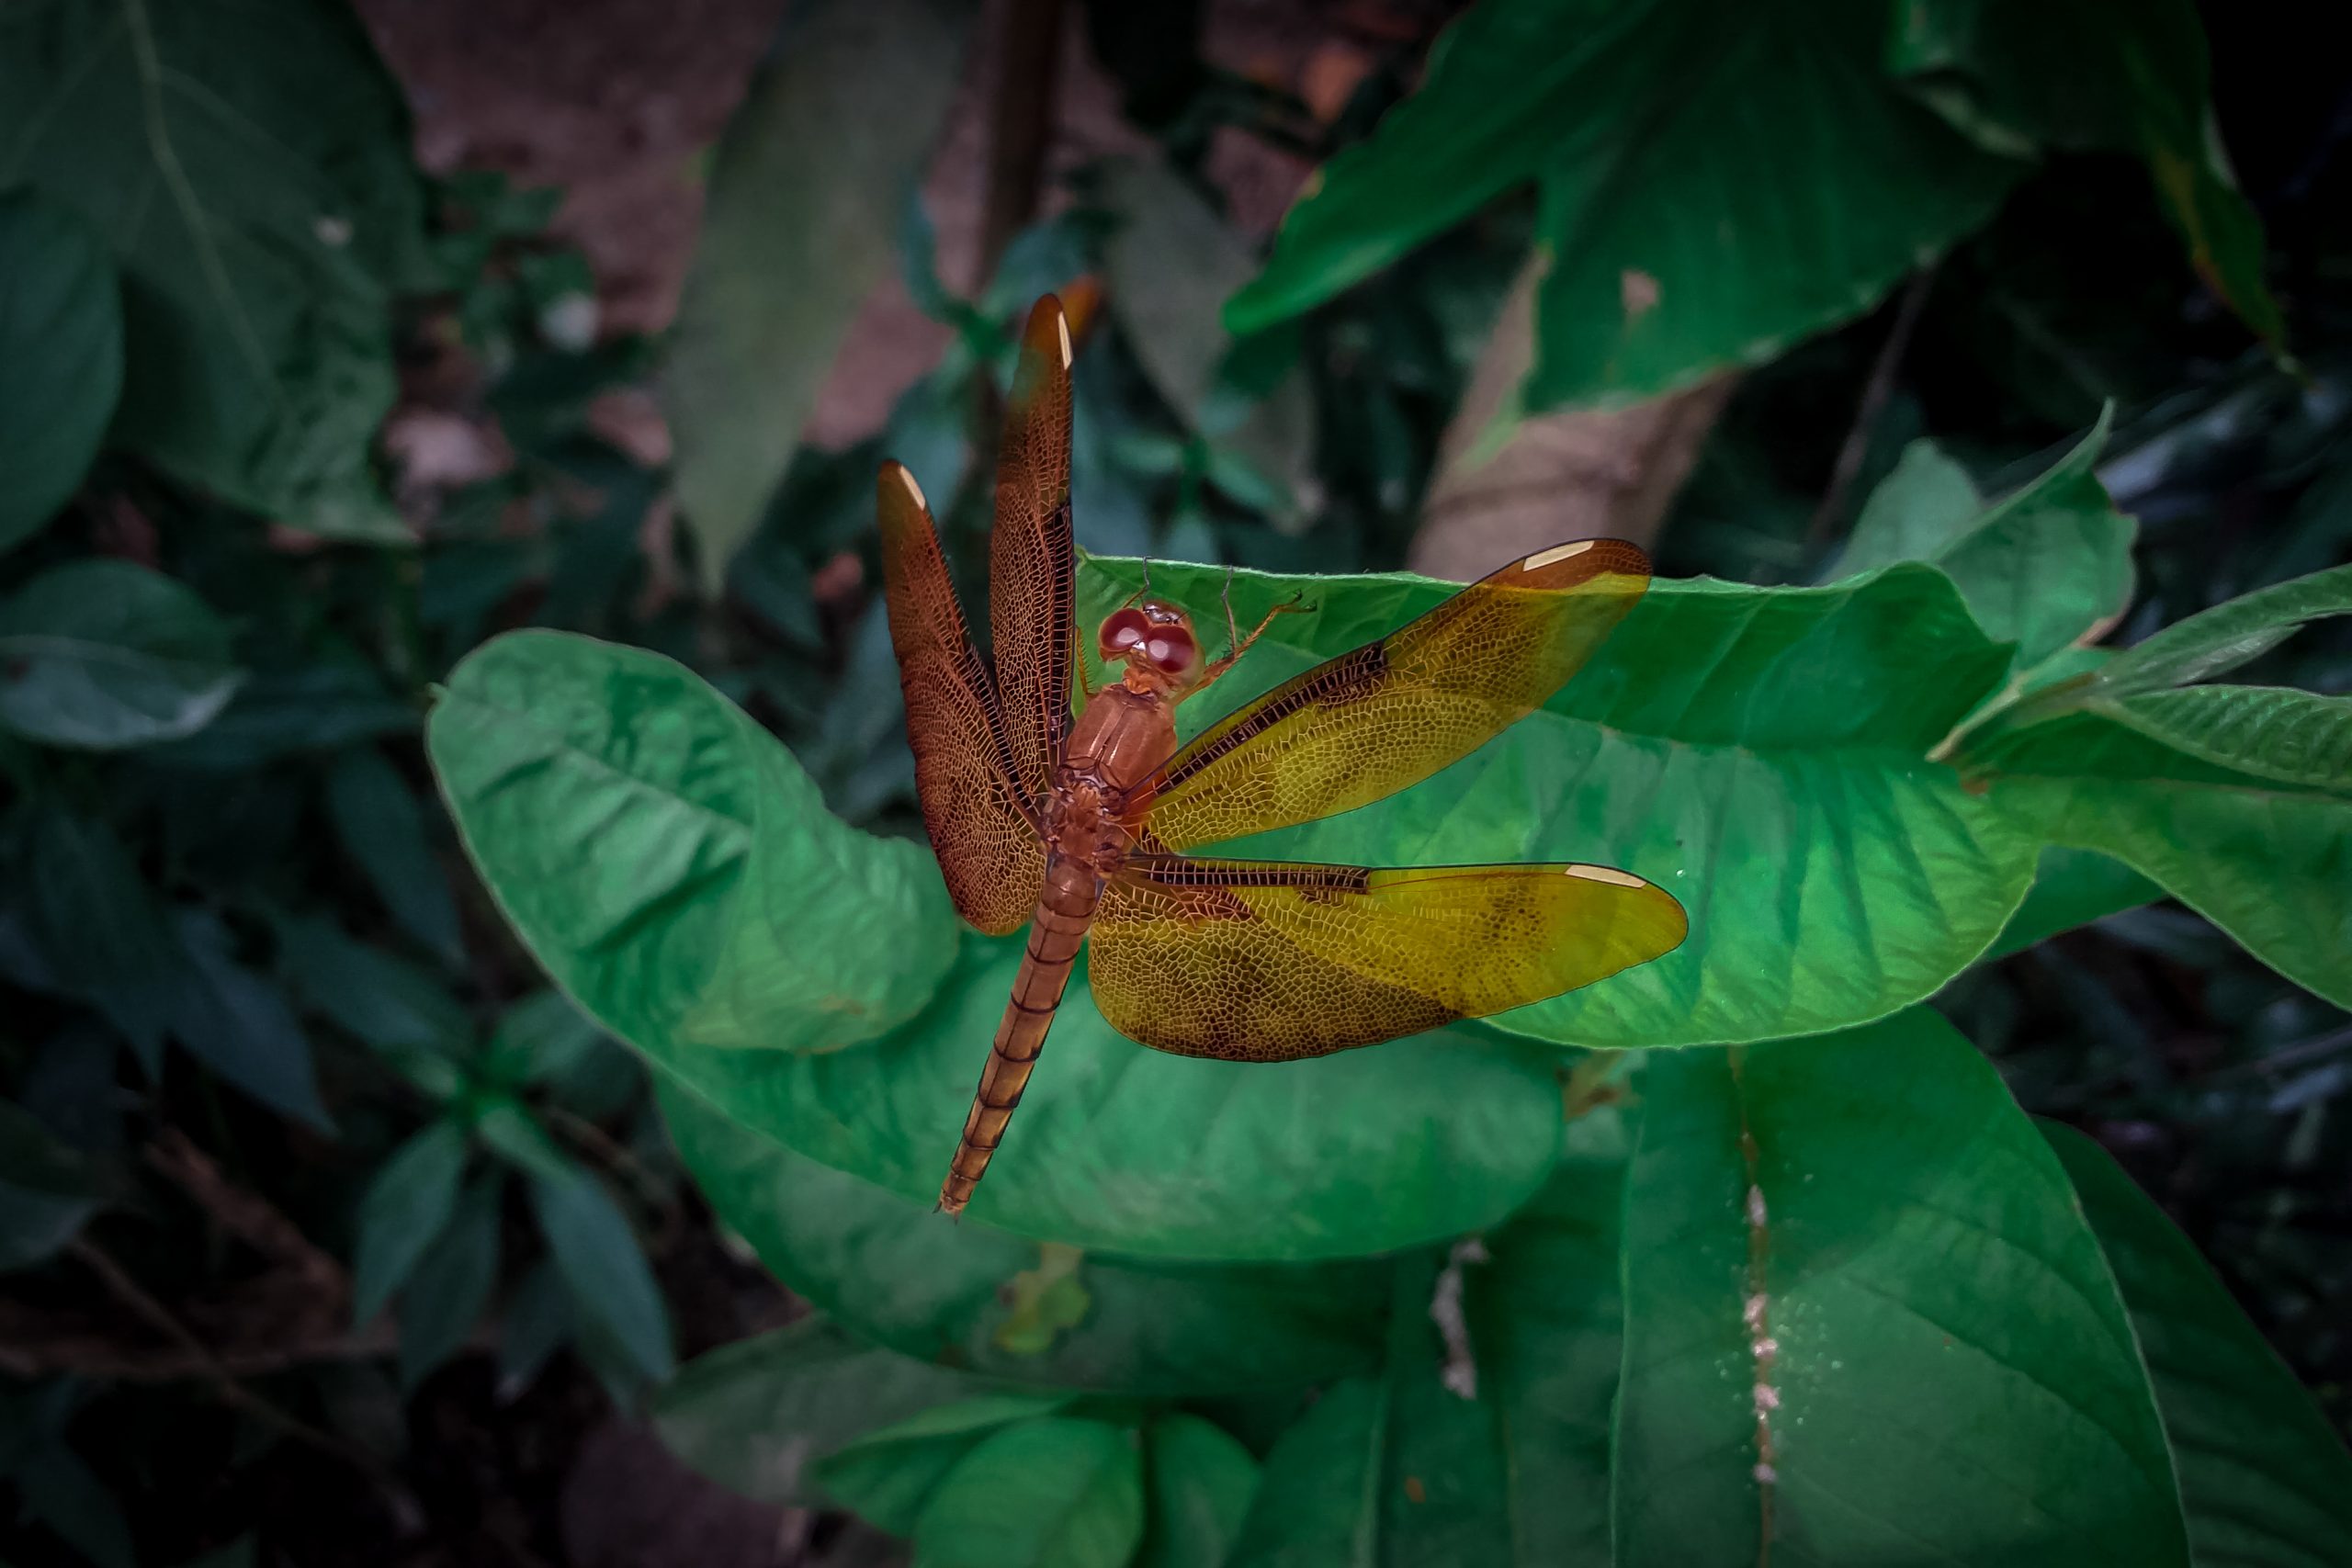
(1074, 811)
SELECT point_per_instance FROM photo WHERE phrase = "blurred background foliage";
(333, 342)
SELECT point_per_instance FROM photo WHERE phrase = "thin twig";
(161, 1318)
(1875, 393)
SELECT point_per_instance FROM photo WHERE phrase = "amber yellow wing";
(1032, 567)
(1264, 961)
(981, 823)
(1372, 722)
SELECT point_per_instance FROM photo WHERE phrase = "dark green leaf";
(61, 358)
(537, 1322)
(237, 1023)
(1201, 1482)
(887, 1475)
(58, 1490)
(248, 165)
(35, 1225)
(542, 1036)
(377, 995)
(2264, 1478)
(102, 654)
(32, 1158)
(886, 1266)
(600, 1261)
(2216, 641)
(799, 229)
(377, 819)
(1666, 136)
(1053, 1493)
(97, 926)
(407, 1204)
(2096, 75)
(509, 1131)
(1865, 1321)
(2071, 888)
(450, 1286)
(755, 1414)
(1319, 1495)
(321, 707)
(2048, 567)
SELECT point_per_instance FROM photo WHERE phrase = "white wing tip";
(913, 489)
(1062, 321)
(1608, 873)
(1543, 559)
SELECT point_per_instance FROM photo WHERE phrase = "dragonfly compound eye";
(1124, 631)
(1171, 651)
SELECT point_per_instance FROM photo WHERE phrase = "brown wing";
(1032, 581)
(1372, 722)
(980, 822)
(1264, 961)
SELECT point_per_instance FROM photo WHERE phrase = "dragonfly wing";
(1032, 566)
(1266, 961)
(980, 820)
(1372, 722)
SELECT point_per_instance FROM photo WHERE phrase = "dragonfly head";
(1156, 641)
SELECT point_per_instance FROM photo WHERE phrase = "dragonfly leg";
(1241, 645)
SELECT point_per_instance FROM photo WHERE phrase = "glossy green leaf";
(2264, 1477)
(798, 230)
(412, 1197)
(1699, 208)
(755, 1414)
(102, 654)
(1544, 1322)
(664, 855)
(61, 358)
(887, 1475)
(659, 854)
(1320, 1495)
(1760, 753)
(1865, 1321)
(376, 817)
(2071, 888)
(2124, 76)
(450, 1287)
(1054, 1492)
(2237, 800)
(238, 1023)
(1201, 1482)
(891, 1269)
(248, 165)
(2050, 565)
(612, 1286)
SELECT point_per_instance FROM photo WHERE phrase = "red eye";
(1124, 631)
(1170, 651)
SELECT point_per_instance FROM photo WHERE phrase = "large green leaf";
(1718, 180)
(1201, 1483)
(1865, 1321)
(887, 1476)
(1056, 1492)
(670, 865)
(2047, 567)
(885, 1266)
(1758, 752)
(1545, 1323)
(2071, 888)
(61, 357)
(2122, 76)
(799, 229)
(248, 163)
(676, 873)
(2236, 799)
(2264, 1477)
(102, 654)
(756, 1414)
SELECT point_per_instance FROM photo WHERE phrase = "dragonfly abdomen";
(1065, 909)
